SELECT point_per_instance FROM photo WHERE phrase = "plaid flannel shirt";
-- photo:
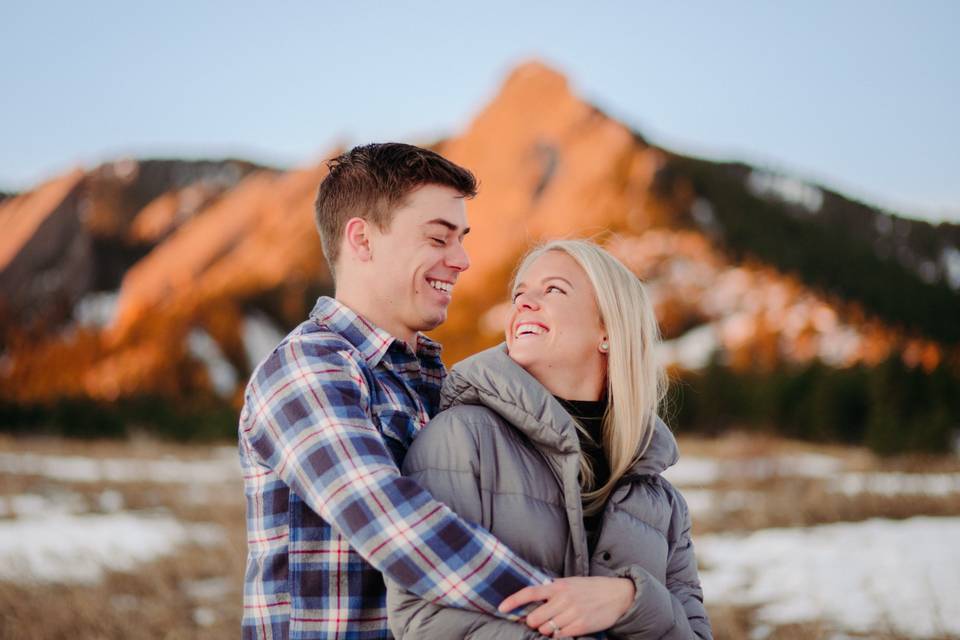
(327, 419)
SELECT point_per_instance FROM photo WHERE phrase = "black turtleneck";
(589, 415)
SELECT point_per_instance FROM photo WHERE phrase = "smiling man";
(329, 415)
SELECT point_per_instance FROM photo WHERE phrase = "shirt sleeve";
(309, 419)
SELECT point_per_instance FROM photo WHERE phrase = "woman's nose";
(526, 301)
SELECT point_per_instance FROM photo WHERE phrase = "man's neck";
(366, 309)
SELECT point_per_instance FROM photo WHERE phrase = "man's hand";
(574, 606)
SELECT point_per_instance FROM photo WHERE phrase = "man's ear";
(356, 239)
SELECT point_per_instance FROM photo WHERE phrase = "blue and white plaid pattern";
(327, 419)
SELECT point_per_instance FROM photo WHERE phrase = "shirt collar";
(371, 341)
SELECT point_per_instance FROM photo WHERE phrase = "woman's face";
(554, 327)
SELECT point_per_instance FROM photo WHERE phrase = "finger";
(547, 629)
(563, 629)
(551, 609)
(524, 596)
(560, 627)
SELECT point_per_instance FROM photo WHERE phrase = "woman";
(552, 442)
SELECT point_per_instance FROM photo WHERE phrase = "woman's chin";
(520, 353)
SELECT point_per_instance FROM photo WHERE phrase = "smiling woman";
(554, 328)
(552, 442)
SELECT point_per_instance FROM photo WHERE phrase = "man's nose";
(457, 257)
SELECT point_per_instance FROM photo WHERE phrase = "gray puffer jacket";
(505, 454)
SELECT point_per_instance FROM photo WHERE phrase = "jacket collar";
(371, 341)
(492, 379)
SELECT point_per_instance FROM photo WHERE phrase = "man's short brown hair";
(373, 180)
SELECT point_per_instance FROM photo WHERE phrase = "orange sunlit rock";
(550, 165)
(21, 216)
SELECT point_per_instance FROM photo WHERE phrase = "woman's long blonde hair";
(635, 382)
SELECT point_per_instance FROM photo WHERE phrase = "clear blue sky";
(862, 96)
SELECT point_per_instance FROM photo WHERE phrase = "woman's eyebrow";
(549, 278)
(521, 285)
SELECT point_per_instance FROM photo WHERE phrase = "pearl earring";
(604, 346)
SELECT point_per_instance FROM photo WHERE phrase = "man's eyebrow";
(448, 225)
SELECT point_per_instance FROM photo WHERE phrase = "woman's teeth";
(529, 329)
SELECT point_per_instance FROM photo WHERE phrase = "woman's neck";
(572, 385)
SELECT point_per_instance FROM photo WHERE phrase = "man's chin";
(434, 320)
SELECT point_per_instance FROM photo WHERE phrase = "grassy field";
(143, 539)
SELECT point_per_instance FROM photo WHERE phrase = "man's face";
(417, 261)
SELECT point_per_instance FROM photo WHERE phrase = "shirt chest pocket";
(399, 429)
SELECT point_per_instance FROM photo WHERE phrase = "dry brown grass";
(157, 600)
(788, 501)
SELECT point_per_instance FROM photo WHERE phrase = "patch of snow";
(125, 602)
(126, 169)
(96, 310)
(692, 350)
(31, 505)
(883, 224)
(764, 183)
(950, 259)
(204, 616)
(707, 503)
(260, 337)
(704, 215)
(927, 270)
(81, 469)
(110, 500)
(863, 577)
(79, 548)
(691, 471)
(700, 502)
(805, 465)
(897, 484)
(207, 589)
(223, 376)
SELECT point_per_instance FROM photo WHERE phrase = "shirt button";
(605, 556)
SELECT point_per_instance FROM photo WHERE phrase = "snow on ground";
(875, 575)
(897, 484)
(707, 502)
(55, 546)
(804, 465)
(225, 467)
(693, 471)
(700, 501)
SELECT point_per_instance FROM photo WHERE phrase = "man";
(329, 415)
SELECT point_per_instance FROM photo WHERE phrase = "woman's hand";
(574, 606)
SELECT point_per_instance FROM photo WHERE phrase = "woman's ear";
(356, 239)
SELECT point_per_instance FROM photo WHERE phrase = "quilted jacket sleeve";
(444, 461)
(674, 611)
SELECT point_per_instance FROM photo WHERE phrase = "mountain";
(172, 278)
